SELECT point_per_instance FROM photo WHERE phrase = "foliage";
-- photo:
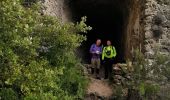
(8, 94)
(118, 92)
(37, 54)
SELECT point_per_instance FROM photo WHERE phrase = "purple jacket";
(95, 51)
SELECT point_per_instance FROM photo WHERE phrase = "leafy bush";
(37, 54)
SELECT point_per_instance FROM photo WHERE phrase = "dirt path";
(100, 87)
(97, 87)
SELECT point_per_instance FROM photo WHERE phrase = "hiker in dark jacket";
(96, 51)
(108, 55)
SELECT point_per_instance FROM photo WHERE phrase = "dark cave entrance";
(107, 18)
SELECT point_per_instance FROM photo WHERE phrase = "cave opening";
(107, 19)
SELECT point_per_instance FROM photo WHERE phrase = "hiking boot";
(97, 77)
(105, 77)
(92, 71)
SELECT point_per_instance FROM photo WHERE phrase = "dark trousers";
(108, 67)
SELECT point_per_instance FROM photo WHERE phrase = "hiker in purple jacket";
(96, 51)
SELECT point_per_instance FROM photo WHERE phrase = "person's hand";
(97, 52)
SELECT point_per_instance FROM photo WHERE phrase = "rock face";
(157, 21)
(57, 8)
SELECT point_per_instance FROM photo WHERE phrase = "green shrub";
(37, 54)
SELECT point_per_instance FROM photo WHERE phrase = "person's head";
(109, 42)
(98, 42)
